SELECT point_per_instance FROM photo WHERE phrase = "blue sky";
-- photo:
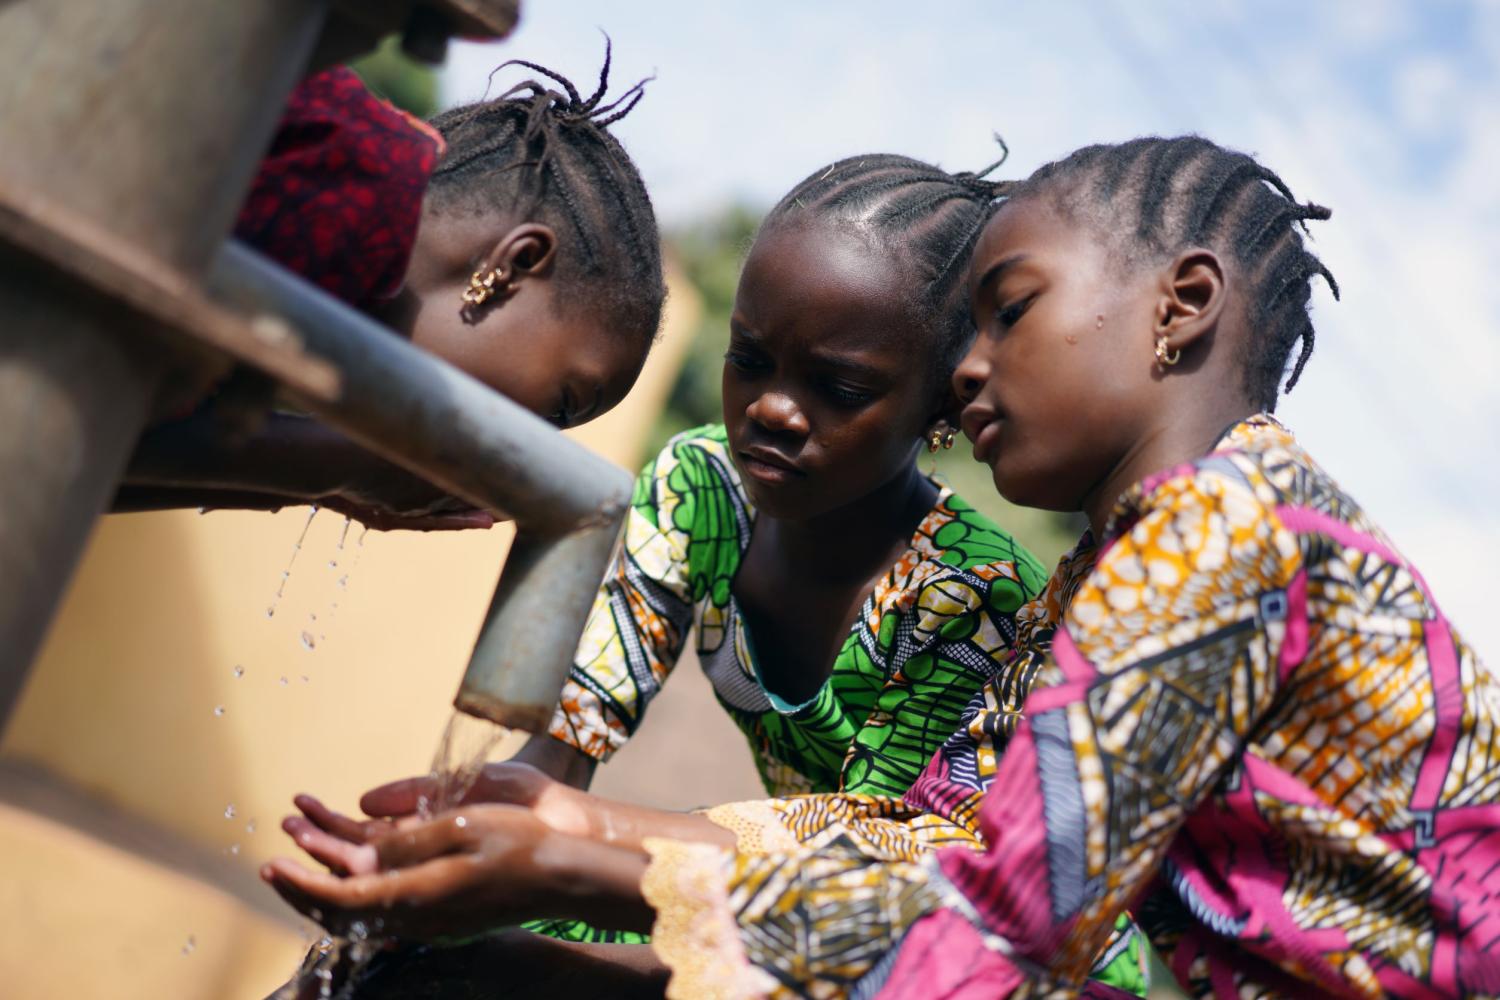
(1388, 112)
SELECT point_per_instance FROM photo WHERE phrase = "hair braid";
(931, 216)
(545, 154)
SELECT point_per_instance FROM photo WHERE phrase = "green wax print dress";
(936, 626)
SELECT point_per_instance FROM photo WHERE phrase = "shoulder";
(692, 485)
(694, 460)
(969, 545)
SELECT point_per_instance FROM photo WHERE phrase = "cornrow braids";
(1155, 197)
(545, 154)
(928, 217)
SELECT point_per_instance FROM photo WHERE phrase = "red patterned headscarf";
(339, 196)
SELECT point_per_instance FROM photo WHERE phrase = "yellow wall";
(121, 707)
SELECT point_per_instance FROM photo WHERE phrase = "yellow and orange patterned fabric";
(1252, 725)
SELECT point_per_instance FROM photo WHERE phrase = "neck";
(1175, 439)
(855, 540)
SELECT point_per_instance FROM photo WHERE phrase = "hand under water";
(483, 865)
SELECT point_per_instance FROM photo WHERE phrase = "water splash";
(286, 574)
(466, 746)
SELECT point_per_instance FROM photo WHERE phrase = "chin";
(1030, 487)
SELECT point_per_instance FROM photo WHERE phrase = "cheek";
(490, 351)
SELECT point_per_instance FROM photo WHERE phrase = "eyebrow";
(848, 365)
(997, 270)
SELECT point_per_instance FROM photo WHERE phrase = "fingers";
(335, 902)
(421, 842)
(398, 798)
(340, 855)
(336, 823)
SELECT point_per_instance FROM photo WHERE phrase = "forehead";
(828, 280)
(1036, 230)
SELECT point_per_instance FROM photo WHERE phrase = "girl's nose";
(969, 377)
(778, 413)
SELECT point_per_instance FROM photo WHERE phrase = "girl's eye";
(1011, 315)
(563, 415)
(846, 395)
(741, 361)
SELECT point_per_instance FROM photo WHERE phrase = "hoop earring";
(1163, 357)
(935, 440)
(482, 285)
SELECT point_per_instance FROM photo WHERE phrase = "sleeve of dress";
(1167, 655)
(637, 628)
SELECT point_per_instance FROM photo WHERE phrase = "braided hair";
(928, 217)
(1155, 197)
(547, 155)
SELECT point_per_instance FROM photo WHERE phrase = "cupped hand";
(454, 516)
(562, 807)
(459, 873)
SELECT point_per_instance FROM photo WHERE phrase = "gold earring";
(1163, 357)
(949, 436)
(935, 440)
(482, 285)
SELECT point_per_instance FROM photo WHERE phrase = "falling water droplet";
(308, 642)
(283, 682)
(344, 581)
(304, 678)
(202, 511)
(333, 564)
(296, 548)
(345, 533)
(250, 826)
(234, 849)
(239, 672)
(189, 945)
(218, 710)
(229, 811)
(312, 616)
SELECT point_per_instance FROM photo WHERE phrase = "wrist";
(584, 879)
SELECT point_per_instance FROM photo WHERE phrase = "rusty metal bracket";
(94, 260)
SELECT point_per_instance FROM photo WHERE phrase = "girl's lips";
(767, 472)
(987, 440)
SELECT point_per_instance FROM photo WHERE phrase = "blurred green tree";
(710, 252)
(391, 73)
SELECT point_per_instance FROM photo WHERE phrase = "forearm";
(293, 457)
(595, 882)
(626, 826)
(558, 761)
(135, 499)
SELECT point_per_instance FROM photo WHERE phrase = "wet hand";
(460, 873)
(450, 515)
(562, 807)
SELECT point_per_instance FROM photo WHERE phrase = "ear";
(527, 251)
(1193, 295)
(947, 407)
